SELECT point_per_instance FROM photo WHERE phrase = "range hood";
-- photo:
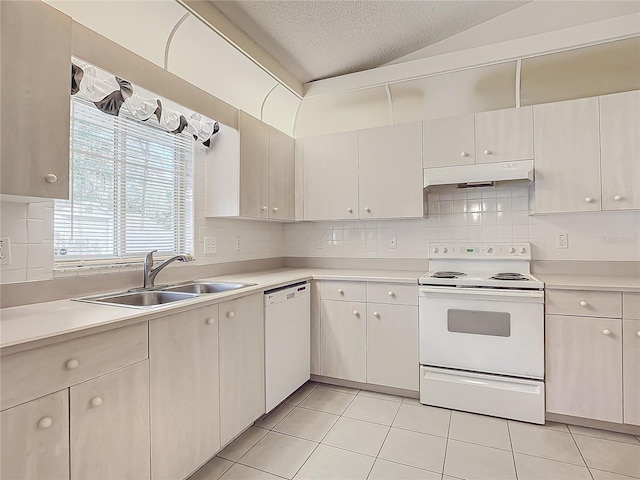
(479, 174)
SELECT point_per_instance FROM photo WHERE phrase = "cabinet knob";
(638, 333)
(463, 154)
(264, 208)
(588, 199)
(275, 209)
(356, 313)
(340, 291)
(391, 294)
(231, 314)
(376, 314)
(350, 210)
(71, 364)
(96, 402)
(487, 152)
(51, 178)
(583, 303)
(210, 321)
(606, 331)
(617, 198)
(367, 209)
(45, 422)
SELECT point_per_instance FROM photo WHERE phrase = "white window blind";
(131, 189)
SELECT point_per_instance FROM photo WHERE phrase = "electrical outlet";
(237, 244)
(320, 242)
(5, 251)
(393, 241)
(210, 246)
(563, 240)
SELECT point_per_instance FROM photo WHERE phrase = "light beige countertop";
(29, 326)
(590, 282)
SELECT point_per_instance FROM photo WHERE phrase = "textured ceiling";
(316, 39)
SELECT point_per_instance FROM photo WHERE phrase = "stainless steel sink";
(142, 299)
(200, 288)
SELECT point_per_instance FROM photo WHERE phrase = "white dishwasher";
(287, 341)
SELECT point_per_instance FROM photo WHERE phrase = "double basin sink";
(163, 295)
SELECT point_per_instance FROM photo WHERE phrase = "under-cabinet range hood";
(479, 174)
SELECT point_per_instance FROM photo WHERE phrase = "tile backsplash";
(476, 215)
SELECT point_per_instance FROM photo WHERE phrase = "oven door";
(483, 330)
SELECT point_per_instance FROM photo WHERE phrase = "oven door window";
(476, 322)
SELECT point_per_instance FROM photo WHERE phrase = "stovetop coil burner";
(509, 276)
(448, 275)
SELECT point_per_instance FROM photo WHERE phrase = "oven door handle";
(481, 292)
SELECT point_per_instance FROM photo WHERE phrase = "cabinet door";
(392, 346)
(631, 370)
(448, 142)
(566, 140)
(110, 426)
(281, 176)
(315, 328)
(254, 166)
(34, 100)
(504, 135)
(620, 140)
(584, 367)
(185, 389)
(241, 364)
(390, 171)
(344, 340)
(35, 439)
(330, 171)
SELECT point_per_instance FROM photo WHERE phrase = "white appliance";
(287, 341)
(482, 331)
(479, 173)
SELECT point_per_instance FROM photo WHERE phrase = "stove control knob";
(512, 250)
(523, 250)
(490, 250)
(445, 250)
(436, 250)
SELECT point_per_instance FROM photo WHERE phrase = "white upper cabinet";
(448, 142)
(254, 167)
(330, 171)
(390, 172)
(620, 155)
(281, 176)
(567, 162)
(504, 135)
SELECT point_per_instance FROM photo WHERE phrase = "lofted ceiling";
(318, 39)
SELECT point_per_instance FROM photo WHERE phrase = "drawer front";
(584, 303)
(33, 373)
(631, 305)
(345, 291)
(393, 293)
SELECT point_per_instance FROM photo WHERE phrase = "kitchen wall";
(30, 228)
(480, 216)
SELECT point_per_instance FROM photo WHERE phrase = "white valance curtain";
(114, 93)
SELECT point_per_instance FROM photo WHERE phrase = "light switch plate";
(563, 240)
(237, 244)
(210, 247)
(5, 251)
(393, 241)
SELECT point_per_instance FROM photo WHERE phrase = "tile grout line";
(385, 438)
(513, 454)
(446, 444)
(580, 452)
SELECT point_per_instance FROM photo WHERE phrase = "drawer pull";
(51, 178)
(231, 314)
(583, 303)
(588, 199)
(275, 209)
(350, 210)
(71, 364)
(340, 291)
(638, 333)
(264, 208)
(463, 154)
(356, 313)
(617, 198)
(367, 209)
(606, 331)
(45, 422)
(210, 321)
(376, 314)
(391, 294)
(96, 402)
(487, 152)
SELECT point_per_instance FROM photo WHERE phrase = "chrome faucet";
(151, 273)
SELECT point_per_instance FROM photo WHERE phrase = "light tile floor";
(327, 432)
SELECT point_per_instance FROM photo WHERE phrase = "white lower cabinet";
(35, 439)
(242, 398)
(631, 370)
(369, 332)
(185, 390)
(109, 429)
(344, 340)
(392, 345)
(584, 367)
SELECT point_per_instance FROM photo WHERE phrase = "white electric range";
(482, 331)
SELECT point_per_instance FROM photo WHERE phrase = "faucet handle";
(148, 259)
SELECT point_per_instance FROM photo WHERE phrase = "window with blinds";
(131, 190)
